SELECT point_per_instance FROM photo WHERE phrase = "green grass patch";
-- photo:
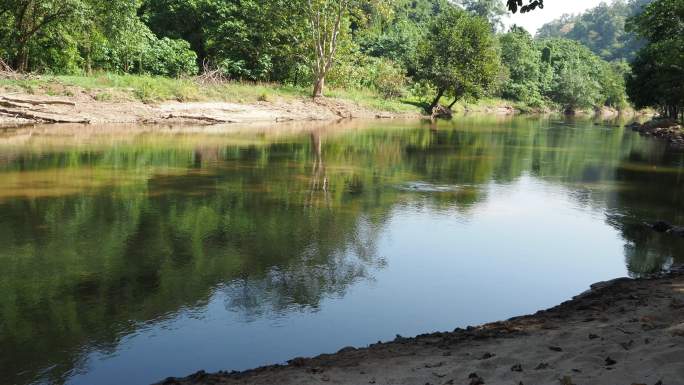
(150, 89)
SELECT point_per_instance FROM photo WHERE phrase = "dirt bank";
(17, 108)
(618, 333)
(666, 129)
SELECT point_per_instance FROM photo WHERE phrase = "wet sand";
(625, 331)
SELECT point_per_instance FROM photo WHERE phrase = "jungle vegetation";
(420, 51)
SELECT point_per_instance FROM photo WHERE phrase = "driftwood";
(34, 116)
(6, 72)
(202, 118)
(211, 76)
(37, 102)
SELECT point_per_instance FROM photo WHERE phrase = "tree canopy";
(601, 29)
(657, 79)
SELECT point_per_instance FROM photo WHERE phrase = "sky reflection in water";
(147, 255)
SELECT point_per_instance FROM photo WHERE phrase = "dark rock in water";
(627, 345)
(487, 356)
(556, 348)
(516, 368)
(677, 230)
(610, 361)
(593, 336)
(542, 365)
(475, 379)
(661, 226)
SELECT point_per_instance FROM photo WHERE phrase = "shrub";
(168, 57)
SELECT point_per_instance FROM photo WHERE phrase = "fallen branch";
(202, 118)
(40, 117)
(38, 102)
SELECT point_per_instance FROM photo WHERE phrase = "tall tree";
(325, 23)
(658, 75)
(492, 10)
(28, 19)
(458, 55)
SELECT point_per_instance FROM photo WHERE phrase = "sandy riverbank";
(17, 108)
(621, 332)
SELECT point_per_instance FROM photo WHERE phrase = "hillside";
(602, 29)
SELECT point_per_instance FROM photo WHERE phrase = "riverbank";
(625, 331)
(666, 129)
(111, 98)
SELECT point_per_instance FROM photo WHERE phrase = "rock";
(516, 368)
(487, 356)
(610, 361)
(556, 348)
(475, 379)
(297, 362)
(593, 336)
(661, 226)
(346, 349)
(677, 230)
(627, 345)
(542, 365)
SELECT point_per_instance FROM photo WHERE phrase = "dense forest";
(429, 50)
(601, 29)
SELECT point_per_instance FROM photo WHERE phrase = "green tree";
(658, 76)
(522, 58)
(458, 55)
(602, 29)
(492, 10)
(27, 20)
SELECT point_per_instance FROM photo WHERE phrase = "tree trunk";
(454, 102)
(318, 86)
(434, 103)
(21, 60)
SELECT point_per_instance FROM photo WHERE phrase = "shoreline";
(623, 331)
(21, 108)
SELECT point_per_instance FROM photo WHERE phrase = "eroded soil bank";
(16, 108)
(626, 331)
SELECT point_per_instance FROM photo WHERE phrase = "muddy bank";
(18, 108)
(626, 331)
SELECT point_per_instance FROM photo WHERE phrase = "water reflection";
(110, 233)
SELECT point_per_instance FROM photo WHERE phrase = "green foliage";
(602, 29)
(492, 10)
(72, 36)
(169, 57)
(657, 79)
(522, 58)
(577, 77)
(459, 55)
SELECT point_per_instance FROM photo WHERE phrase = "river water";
(129, 254)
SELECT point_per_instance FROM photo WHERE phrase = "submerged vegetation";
(404, 51)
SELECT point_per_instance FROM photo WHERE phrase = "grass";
(148, 89)
(109, 87)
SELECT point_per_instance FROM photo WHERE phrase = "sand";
(16, 108)
(621, 332)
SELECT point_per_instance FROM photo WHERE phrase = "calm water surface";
(133, 254)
